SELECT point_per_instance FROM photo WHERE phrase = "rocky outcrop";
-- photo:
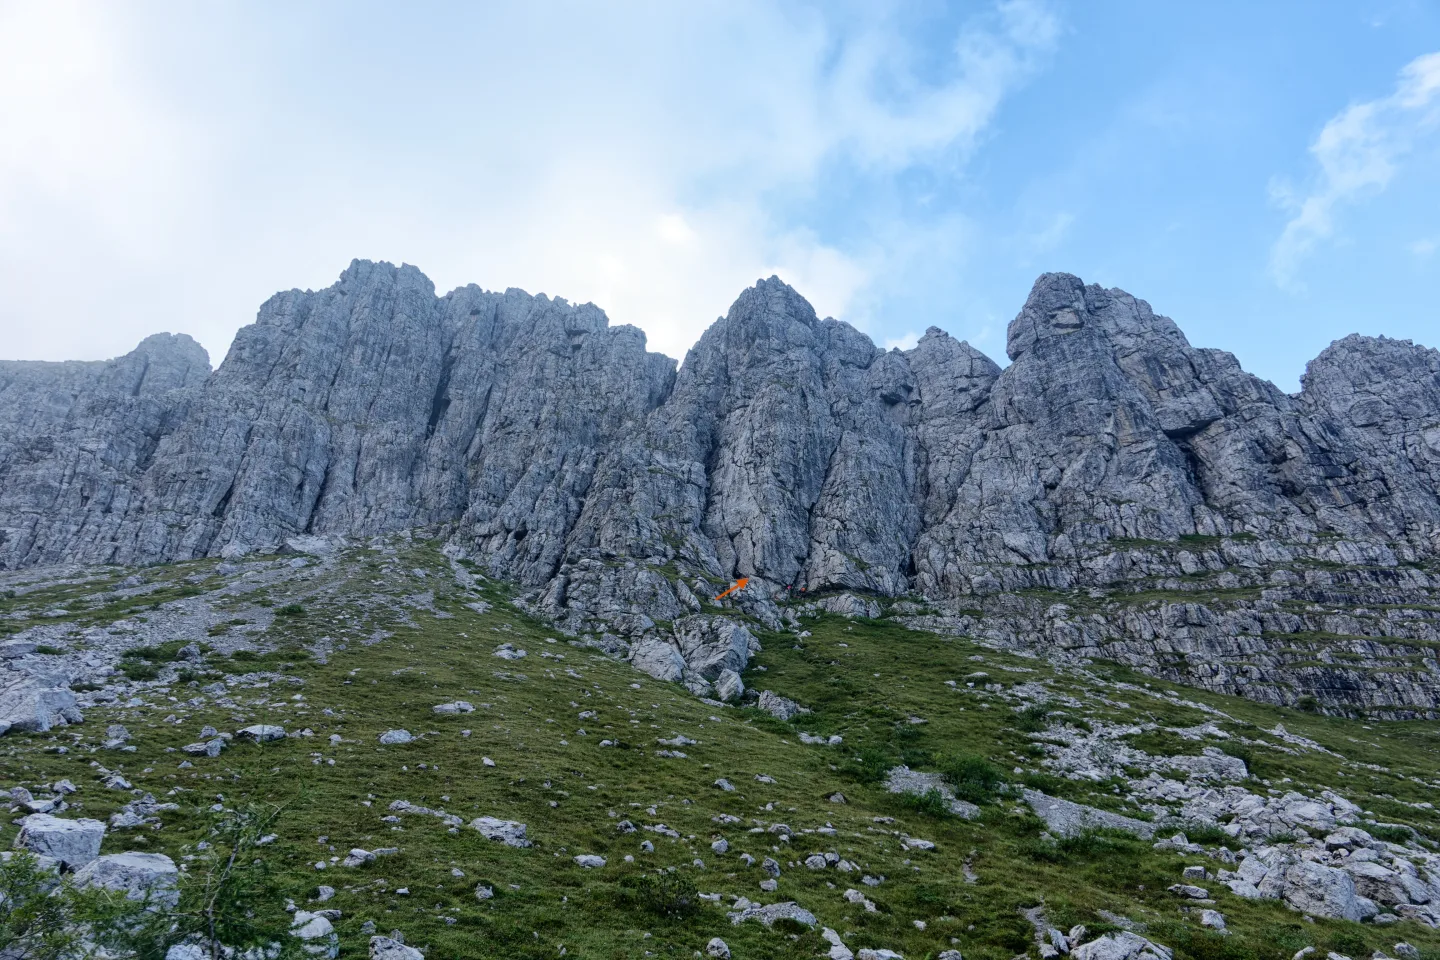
(1110, 458)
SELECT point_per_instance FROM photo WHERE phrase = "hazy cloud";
(168, 166)
(1358, 152)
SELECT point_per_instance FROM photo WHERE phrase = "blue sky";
(1267, 174)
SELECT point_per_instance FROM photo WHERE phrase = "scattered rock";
(781, 708)
(261, 733)
(384, 948)
(788, 910)
(509, 832)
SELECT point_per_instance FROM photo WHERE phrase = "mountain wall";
(1111, 475)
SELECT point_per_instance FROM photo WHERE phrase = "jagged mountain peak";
(558, 452)
(1061, 304)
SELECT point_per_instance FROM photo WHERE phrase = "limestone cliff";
(1113, 491)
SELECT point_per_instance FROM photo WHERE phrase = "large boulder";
(1279, 873)
(140, 876)
(1323, 891)
(849, 605)
(72, 842)
(729, 686)
(657, 658)
(32, 706)
(316, 934)
(261, 732)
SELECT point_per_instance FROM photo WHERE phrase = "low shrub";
(931, 803)
(869, 765)
(1032, 719)
(671, 895)
(140, 669)
(972, 778)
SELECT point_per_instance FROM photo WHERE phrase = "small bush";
(972, 778)
(1032, 719)
(1207, 835)
(162, 653)
(1390, 832)
(291, 610)
(139, 669)
(663, 894)
(931, 803)
(1089, 845)
(870, 765)
(1048, 783)
(1348, 943)
(48, 650)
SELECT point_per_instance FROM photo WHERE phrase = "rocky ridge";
(1114, 492)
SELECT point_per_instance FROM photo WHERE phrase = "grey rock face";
(551, 448)
(78, 440)
(367, 407)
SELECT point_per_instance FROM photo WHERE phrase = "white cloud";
(170, 166)
(1048, 238)
(1424, 247)
(904, 342)
(1358, 151)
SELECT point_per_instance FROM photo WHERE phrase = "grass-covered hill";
(684, 799)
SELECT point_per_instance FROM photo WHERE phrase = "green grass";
(572, 792)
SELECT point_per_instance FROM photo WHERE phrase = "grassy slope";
(571, 791)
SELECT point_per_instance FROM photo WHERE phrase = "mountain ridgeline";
(1114, 492)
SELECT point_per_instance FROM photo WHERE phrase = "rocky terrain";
(1113, 492)
(1118, 652)
(446, 775)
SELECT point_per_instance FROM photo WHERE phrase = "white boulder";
(73, 842)
(140, 876)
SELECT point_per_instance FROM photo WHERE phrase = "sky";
(1267, 174)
